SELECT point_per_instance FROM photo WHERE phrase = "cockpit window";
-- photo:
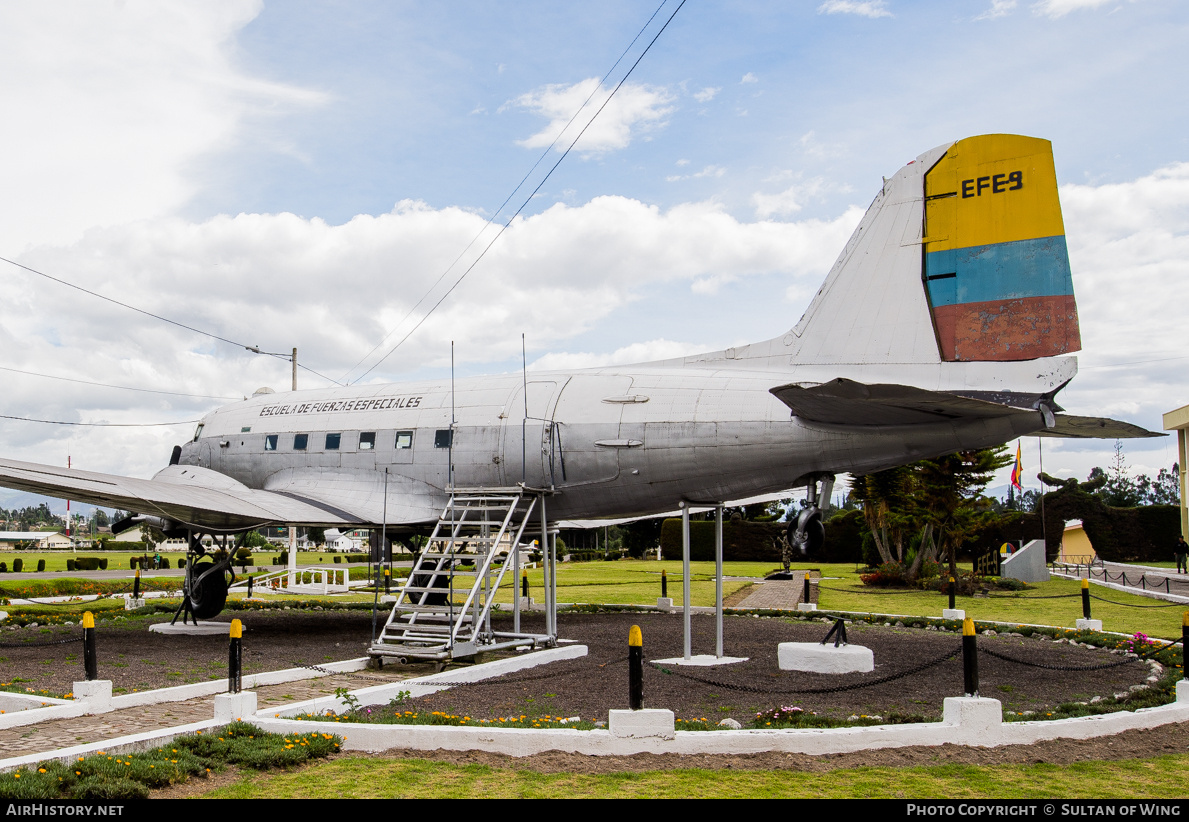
(197, 432)
(270, 442)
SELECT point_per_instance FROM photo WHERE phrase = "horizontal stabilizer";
(846, 402)
(1096, 428)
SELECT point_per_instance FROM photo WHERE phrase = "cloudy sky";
(320, 174)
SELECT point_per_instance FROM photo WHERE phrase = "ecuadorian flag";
(1017, 472)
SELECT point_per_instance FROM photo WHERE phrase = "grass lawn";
(362, 777)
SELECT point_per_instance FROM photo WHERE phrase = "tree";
(933, 505)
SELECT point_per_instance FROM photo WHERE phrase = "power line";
(121, 387)
(507, 199)
(100, 424)
(527, 200)
(114, 301)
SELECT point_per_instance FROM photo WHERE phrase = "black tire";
(208, 596)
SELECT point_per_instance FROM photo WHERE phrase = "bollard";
(953, 592)
(664, 584)
(387, 581)
(1086, 598)
(250, 580)
(805, 588)
(1184, 640)
(235, 658)
(524, 583)
(969, 657)
(90, 662)
(136, 585)
(635, 668)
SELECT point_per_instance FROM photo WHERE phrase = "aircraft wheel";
(208, 596)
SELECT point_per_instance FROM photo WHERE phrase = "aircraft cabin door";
(527, 438)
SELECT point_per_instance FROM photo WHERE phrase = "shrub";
(70, 565)
(103, 563)
(337, 559)
(17, 565)
(41, 565)
(165, 562)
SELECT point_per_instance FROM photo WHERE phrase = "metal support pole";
(90, 660)
(516, 572)
(685, 613)
(1184, 640)
(553, 579)
(235, 658)
(969, 657)
(635, 668)
(718, 580)
(549, 604)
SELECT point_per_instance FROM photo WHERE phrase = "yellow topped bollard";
(1086, 598)
(90, 658)
(969, 658)
(235, 656)
(635, 668)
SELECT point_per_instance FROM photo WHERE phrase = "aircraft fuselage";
(612, 442)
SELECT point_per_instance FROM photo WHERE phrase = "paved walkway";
(54, 734)
(778, 594)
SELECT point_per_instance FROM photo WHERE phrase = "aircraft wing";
(209, 500)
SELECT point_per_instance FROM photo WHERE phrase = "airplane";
(946, 324)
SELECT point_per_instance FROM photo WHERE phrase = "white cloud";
(999, 8)
(749, 78)
(708, 171)
(635, 109)
(278, 280)
(107, 109)
(706, 95)
(865, 8)
(649, 351)
(1060, 8)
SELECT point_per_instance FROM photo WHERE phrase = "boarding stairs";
(443, 611)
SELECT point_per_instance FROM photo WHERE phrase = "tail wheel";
(807, 534)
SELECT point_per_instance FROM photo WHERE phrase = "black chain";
(322, 670)
(40, 644)
(836, 689)
(1125, 605)
(1105, 665)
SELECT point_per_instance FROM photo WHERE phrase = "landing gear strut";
(204, 593)
(806, 533)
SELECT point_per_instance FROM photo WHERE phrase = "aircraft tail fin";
(960, 258)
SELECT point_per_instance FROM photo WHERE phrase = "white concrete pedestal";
(95, 695)
(824, 659)
(1183, 690)
(953, 613)
(1089, 624)
(232, 707)
(974, 714)
(806, 606)
(131, 604)
(664, 603)
(647, 722)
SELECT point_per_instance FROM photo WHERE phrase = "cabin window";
(404, 439)
(332, 441)
(270, 442)
(197, 432)
(443, 438)
(300, 441)
(367, 441)
(246, 429)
